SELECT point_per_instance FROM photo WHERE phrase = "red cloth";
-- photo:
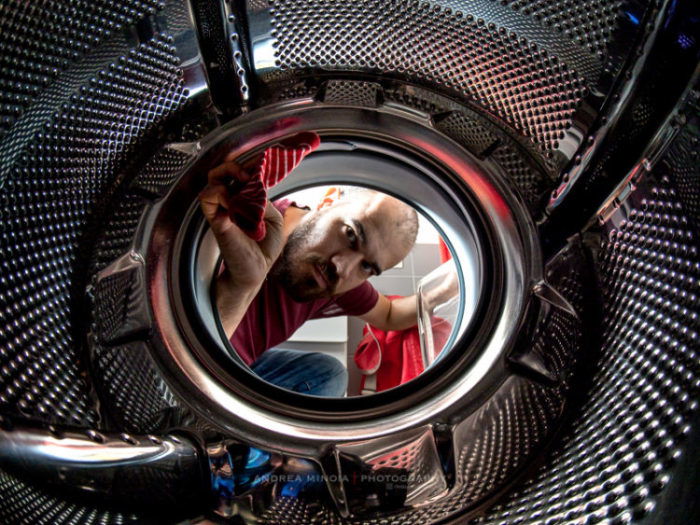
(445, 254)
(395, 356)
(247, 205)
(273, 315)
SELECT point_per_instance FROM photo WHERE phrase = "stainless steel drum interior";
(553, 144)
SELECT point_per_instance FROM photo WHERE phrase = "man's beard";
(289, 269)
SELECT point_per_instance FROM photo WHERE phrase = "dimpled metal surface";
(468, 132)
(287, 510)
(153, 179)
(69, 139)
(131, 386)
(77, 98)
(351, 93)
(160, 172)
(531, 183)
(569, 274)
(683, 162)
(137, 397)
(24, 503)
(39, 40)
(46, 201)
(590, 23)
(519, 419)
(132, 389)
(501, 436)
(296, 90)
(532, 90)
(621, 447)
(480, 137)
(115, 240)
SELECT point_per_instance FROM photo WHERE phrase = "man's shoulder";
(357, 301)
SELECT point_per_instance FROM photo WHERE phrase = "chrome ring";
(513, 235)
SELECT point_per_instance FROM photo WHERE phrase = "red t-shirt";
(273, 315)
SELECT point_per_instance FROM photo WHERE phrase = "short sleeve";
(282, 204)
(357, 301)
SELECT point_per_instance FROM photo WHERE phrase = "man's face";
(336, 249)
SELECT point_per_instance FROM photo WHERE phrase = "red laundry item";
(247, 204)
(445, 254)
(395, 356)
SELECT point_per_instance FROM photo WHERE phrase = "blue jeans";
(309, 373)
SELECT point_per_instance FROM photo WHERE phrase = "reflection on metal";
(596, 140)
(188, 148)
(408, 462)
(439, 309)
(492, 443)
(656, 148)
(233, 35)
(262, 40)
(533, 366)
(222, 468)
(205, 267)
(121, 313)
(220, 40)
(178, 18)
(556, 319)
(333, 476)
(663, 67)
(547, 96)
(615, 463)
(491, 144)
(621, 193)
(551, 295)
(122, 467)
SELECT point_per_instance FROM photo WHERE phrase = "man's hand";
(246, 262)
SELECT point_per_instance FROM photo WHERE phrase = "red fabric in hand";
(247, 205)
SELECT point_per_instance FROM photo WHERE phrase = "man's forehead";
(375, 207)
(373, 215)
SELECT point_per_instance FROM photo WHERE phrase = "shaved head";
(398, 221)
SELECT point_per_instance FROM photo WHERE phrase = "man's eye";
(352, 236)
(367, 267)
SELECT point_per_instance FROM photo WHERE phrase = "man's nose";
(345, 263)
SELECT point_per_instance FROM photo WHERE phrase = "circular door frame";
(174, 337)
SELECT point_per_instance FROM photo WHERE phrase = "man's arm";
(402, 313)
(392, 314)
(246, 262)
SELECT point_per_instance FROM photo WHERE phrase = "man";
(308, 265)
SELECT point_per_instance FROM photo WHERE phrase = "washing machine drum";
(551, 146)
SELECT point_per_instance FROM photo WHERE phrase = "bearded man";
(309, 265)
